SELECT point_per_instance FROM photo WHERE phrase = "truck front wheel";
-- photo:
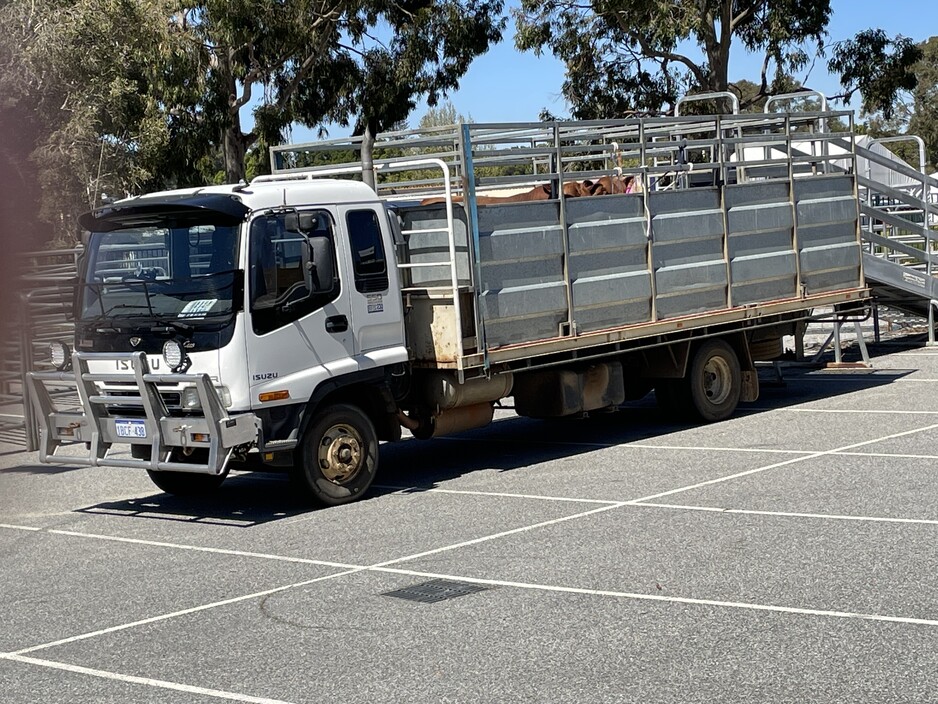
(185, 483)
(338, 457)
(714, 381)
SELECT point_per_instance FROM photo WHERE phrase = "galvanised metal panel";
(764, 277)
(691, 288)
(524, 313)
(695, 213)
(426, 247)
(763, 264)
(830, 268)
(611, 300)
(687, 251)
(609, 261)
(523, 290)
(827, 233)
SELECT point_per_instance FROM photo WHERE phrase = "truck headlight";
(191, 401)
(175, 357)
(60, 355)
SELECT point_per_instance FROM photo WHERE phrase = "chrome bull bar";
(100, 423)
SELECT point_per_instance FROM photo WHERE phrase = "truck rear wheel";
(338, 457)
(714, 381)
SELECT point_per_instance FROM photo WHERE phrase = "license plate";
(131, 428)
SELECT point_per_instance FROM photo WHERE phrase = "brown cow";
(571, 189)
(604, 185)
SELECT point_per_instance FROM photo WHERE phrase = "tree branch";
(650, 53)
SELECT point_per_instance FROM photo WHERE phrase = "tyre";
(338, 456)
(186, 483)
(714, 381)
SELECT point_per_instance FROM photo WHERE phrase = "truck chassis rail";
(103, 421)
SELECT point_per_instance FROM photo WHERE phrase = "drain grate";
(435, 590)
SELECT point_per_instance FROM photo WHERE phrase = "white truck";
(296, 322)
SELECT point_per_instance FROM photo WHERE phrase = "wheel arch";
(368, 390)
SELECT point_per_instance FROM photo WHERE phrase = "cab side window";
(368, 259)
(280, 256)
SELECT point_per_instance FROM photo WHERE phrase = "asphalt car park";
(786, 554)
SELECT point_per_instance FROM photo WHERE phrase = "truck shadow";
(244, 500)
(250, 499)
(516, 442)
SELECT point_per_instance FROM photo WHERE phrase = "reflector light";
(274, 396)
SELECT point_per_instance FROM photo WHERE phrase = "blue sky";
(508, 86)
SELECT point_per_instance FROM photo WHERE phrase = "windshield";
(172, 275)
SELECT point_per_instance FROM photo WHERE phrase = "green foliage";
(878, 67)
(97, 127)
(442, 115)
(924, 120)
(623, 56)
(132, 95)
(626, 56)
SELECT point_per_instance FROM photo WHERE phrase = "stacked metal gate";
(44, 297)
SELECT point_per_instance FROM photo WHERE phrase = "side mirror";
(319, 265)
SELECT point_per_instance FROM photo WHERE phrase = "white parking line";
(275, 590)
(15, 527)
(175, 614)
(387, 567)
(217, 551)
(788, 514)
(840, 378)
(513, 531)
(631, 445)
(845, 411)
(802, 458)
(149, 682)
(667, 599)
(497, 494)
(887, 455)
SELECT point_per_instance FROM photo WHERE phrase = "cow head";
(606, 185)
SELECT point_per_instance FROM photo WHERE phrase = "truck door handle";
(336, 323)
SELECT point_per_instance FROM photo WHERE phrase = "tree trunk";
(234, 145)
(368, 156)
(235, 148)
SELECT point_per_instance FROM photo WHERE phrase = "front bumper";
(143, 420)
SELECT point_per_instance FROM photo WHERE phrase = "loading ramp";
(898, 215)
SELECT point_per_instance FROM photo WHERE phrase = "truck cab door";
(297, 337)
(374, 287)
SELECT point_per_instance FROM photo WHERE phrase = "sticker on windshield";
(197, 309)
(375, 303)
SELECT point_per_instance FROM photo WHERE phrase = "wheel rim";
(341, 453)
(717, 380)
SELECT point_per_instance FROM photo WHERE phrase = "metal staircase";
(897, 216)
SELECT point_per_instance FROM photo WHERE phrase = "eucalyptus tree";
(327, 61)
(641, 55)
(76, 89)
(121, 96)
